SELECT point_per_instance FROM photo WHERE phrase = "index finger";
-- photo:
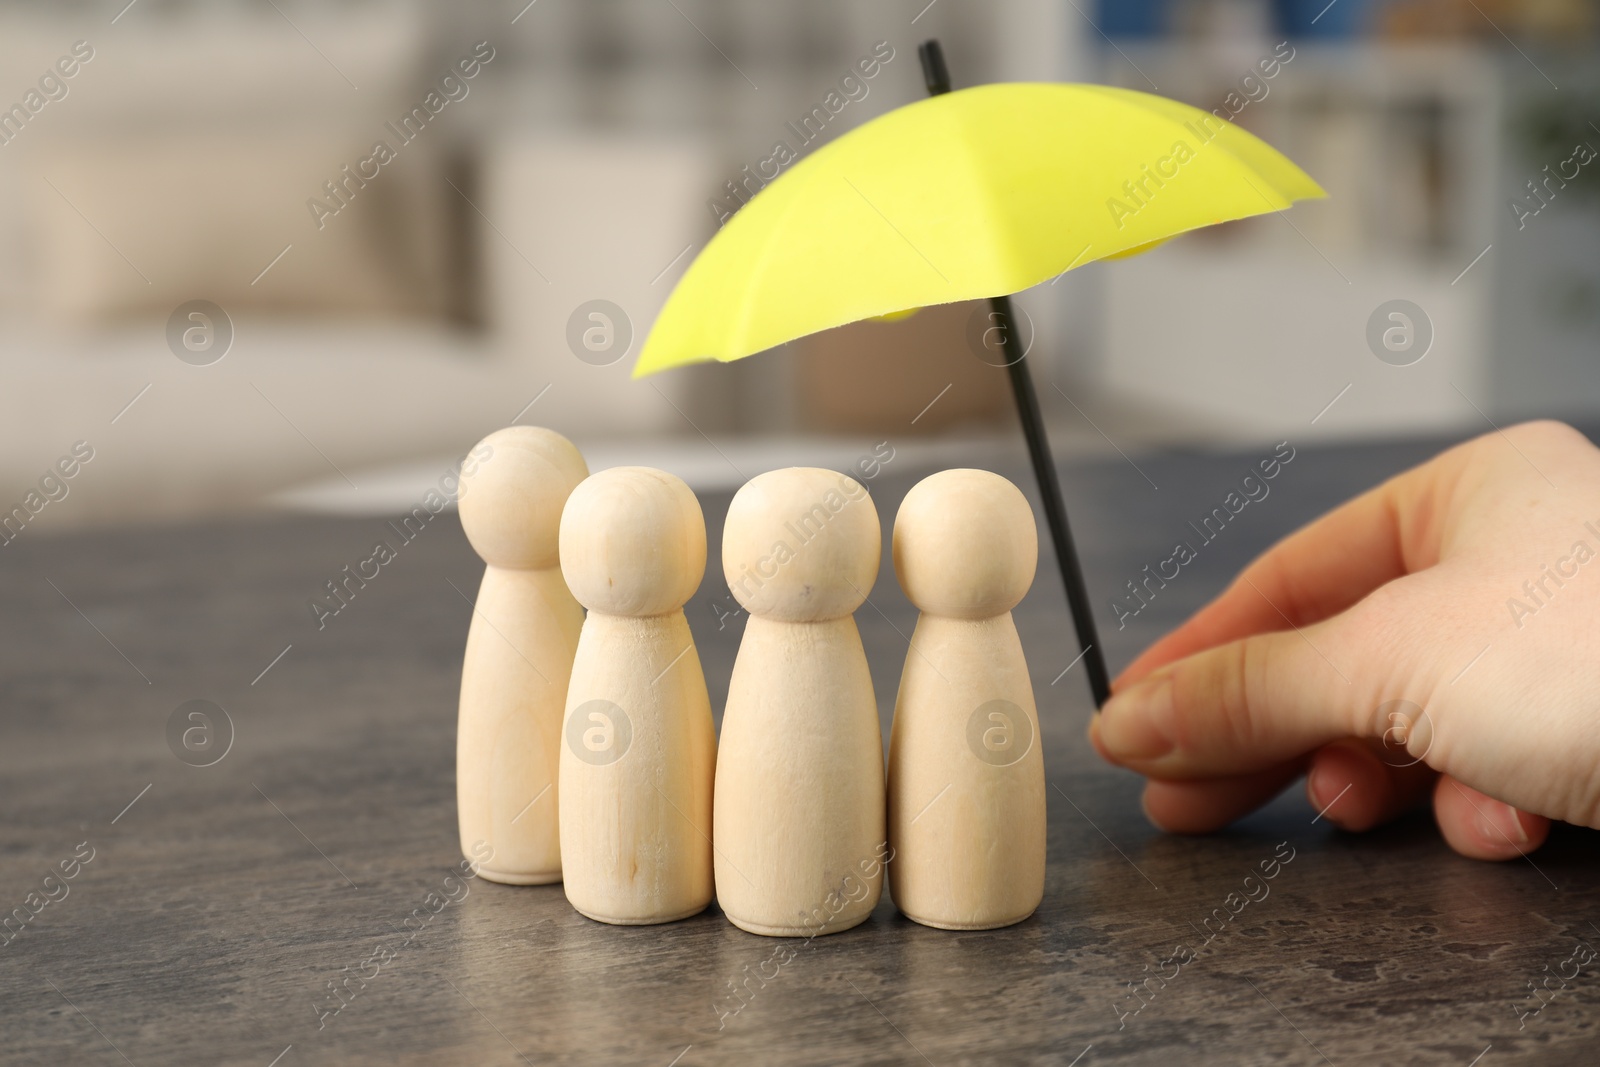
(1321, 569)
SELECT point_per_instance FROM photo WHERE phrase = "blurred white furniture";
(137, 193)
(179, 166)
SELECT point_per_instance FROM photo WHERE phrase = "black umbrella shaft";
(934, 73)
(1055, 510)
(937, 77)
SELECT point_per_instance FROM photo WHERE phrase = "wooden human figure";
(520, 645)
(639, 748)
(966, 773)
(800, 787)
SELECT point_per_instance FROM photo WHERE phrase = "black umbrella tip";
(934, 72)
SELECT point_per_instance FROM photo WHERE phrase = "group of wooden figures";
(586, 752)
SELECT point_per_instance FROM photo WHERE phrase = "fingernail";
(1499, 822)
(1133, 723)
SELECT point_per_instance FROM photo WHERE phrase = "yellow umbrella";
(969, 194)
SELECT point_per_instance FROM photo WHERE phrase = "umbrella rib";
(895, 228)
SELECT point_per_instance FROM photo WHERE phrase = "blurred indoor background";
(381, 312)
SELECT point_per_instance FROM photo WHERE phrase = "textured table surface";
(220, 902)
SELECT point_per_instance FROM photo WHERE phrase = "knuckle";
(1250, 697)
(1378, 631)
(1544, 440)
(1211, 699)
(1552, 431)
(1547, 440)
(1383, 609)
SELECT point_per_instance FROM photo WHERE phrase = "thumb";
(1240, 707)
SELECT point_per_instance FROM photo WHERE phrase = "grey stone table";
(210, 909)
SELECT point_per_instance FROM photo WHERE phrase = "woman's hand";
(1440, 633)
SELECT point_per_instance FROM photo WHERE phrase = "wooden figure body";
(520, 645)
(639, 748)
(966, 770)
(800, 786)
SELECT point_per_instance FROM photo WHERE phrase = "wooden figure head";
(965, 545)
(633, 542)
(511, 499)
(801, 545)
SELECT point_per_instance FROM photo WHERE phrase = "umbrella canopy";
(974, 193)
